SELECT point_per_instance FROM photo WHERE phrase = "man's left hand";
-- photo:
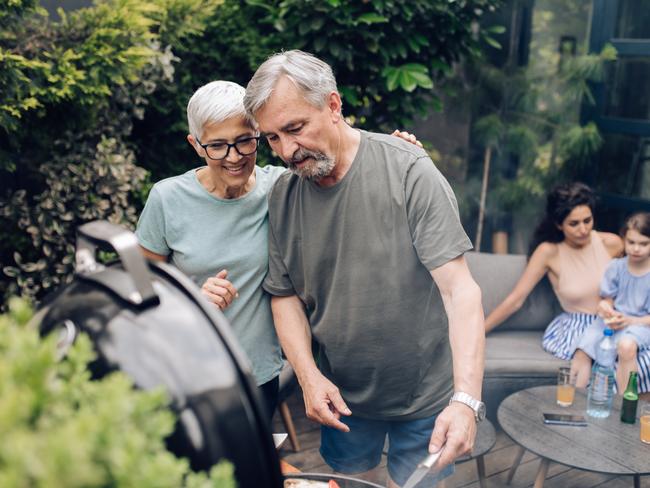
(455, 428)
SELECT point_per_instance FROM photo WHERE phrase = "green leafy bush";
(100, 188)
(388, 58)
(59, 428)
(88, 100)
(71, 90)
(387, 55)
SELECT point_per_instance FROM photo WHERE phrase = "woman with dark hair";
(574, 256)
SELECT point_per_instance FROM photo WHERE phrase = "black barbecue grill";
(150, 321)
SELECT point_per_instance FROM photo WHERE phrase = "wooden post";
(481, 208)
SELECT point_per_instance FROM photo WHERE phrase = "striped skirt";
(563, 334)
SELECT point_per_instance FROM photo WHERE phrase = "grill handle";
(134, 283)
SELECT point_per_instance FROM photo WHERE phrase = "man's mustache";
(302, 154)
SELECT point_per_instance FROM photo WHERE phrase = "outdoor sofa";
(514, 358)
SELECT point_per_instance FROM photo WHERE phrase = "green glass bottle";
(630, 399)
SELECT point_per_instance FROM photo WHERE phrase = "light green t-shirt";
(358, 256)
(204, 234)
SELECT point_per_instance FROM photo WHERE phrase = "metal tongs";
(422, 469)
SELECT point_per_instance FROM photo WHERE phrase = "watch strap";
(476, 405)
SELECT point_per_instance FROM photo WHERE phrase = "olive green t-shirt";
(358, 255)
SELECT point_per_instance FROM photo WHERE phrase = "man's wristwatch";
(477, 405)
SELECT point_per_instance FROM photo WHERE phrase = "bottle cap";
(608, 332)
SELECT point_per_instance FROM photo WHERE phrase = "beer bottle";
(630, 399)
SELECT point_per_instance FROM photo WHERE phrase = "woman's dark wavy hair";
(559, 203)
(639, 222)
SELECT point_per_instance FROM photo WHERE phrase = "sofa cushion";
(515, 360)
(497, 274)
(518, 354)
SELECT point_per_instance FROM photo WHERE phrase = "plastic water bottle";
(601, 388)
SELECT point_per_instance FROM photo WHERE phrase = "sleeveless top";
(581, 270)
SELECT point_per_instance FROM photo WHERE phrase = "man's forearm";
(461, 297)
(294, 333)
(467, 338)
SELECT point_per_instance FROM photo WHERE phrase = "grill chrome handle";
(139, 290)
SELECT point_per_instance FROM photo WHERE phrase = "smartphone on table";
(574, 420)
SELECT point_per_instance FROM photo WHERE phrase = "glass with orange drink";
(566, 387)
(645, 423)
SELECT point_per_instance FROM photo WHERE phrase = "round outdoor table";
(605, 445)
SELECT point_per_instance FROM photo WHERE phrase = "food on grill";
(302, 483)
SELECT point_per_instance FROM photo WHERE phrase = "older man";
(366, 256)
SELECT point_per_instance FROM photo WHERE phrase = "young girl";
(624, 305)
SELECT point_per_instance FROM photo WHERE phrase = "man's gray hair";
(313, 77)
(215, 102)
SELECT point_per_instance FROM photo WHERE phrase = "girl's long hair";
(559, 203)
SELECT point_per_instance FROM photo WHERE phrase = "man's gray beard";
(320, 165)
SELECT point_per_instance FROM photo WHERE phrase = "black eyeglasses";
(220, 150)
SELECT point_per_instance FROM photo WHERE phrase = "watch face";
(480, 413)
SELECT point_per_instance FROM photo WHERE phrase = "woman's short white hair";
(215, 102)
(313, 77)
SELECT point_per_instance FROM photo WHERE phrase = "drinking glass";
(645, 422)
(566, 387)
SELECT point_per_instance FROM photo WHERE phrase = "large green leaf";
(408, 77)
(371, 18)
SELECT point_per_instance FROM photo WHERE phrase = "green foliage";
(580, 142)
(382, 51)
(79, 59)
(59, 428)
(88, 183)
(388, 58)
(532, 117)
(71, 90)
(90, 99)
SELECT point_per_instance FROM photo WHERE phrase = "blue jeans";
(360, 449)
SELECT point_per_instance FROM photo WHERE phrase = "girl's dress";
(631, 295)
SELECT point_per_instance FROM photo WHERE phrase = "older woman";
(211, 222)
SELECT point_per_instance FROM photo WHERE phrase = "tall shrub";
(388, 58)
(71, 90)
(532, 117)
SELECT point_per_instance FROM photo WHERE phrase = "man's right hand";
(323, 401)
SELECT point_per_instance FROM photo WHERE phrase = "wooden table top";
(605, 445)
